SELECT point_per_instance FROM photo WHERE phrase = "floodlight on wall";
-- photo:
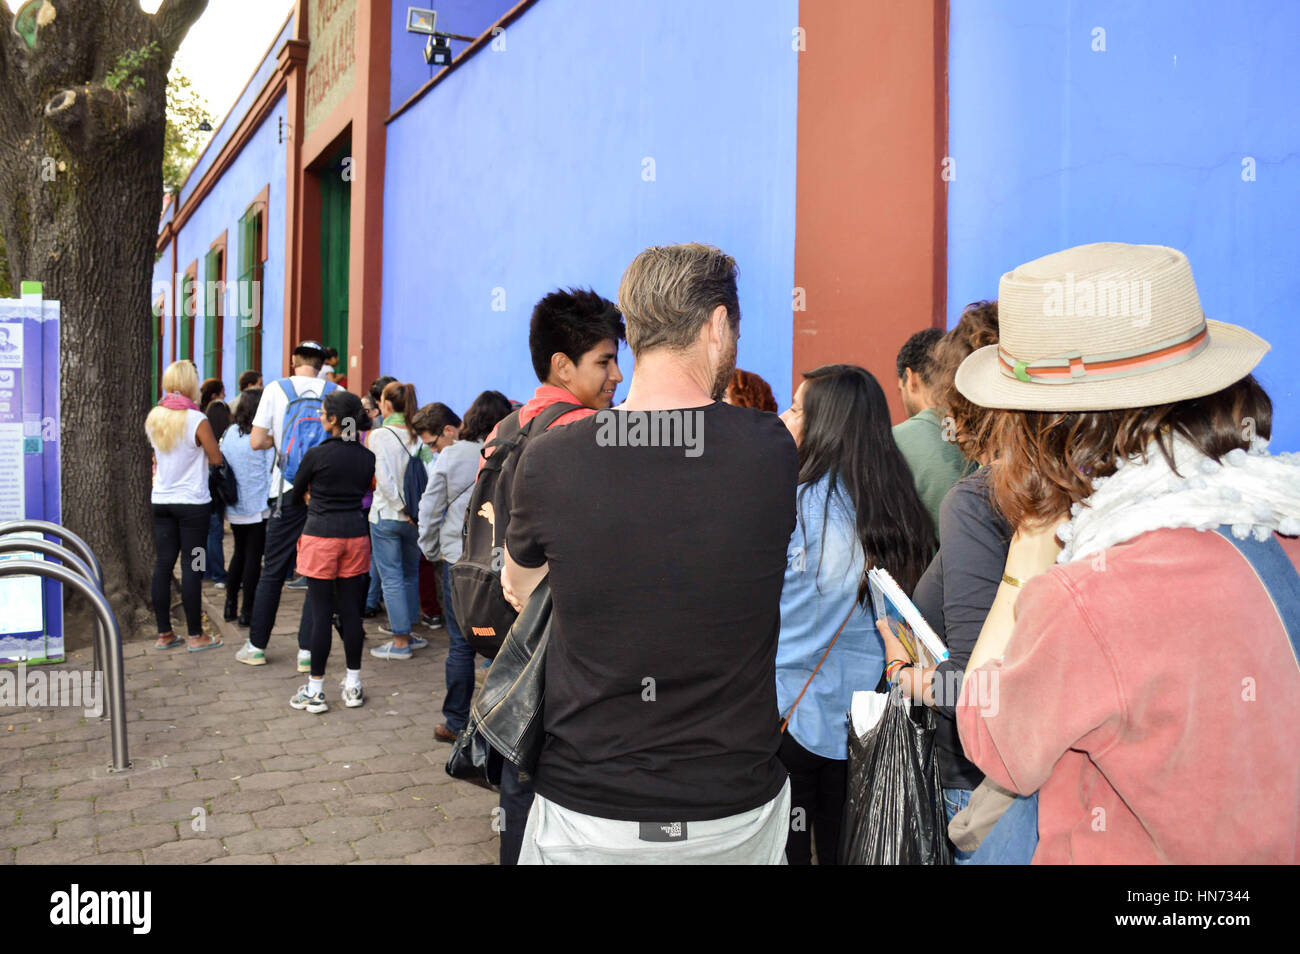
(420, 21)
(437, 50)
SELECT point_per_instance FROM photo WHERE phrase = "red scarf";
(175, 401)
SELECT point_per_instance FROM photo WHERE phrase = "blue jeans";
(460, 662)
(214, 558)
(372, 595)
(954, 800)
(397, 558)
(1014, 838)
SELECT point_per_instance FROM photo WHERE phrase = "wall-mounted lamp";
(437, 50)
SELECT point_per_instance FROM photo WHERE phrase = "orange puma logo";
(487, 511)
(483, 631)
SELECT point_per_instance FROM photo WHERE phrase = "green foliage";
(186, 111)
(128, 63)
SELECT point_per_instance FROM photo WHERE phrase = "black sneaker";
(299, 583)
(370, 612)
(433, 622)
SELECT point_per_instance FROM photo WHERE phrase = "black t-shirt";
(954, 595)
(338, 473)
(666, 573)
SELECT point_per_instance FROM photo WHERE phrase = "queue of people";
(1075, 503)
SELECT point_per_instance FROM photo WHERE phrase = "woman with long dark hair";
(857, 508)
(218, 413)
(249, 513)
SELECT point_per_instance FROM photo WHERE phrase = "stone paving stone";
(423, 818)
(130, 799)
(56, 851)
(221, 825)
(200, 791)
(348, 804)
(135, 838)
(264, 840)
(334, 772)
(161, 778)
(105, 785)
(88, 826)
(340, 828)
(253, 753)
(397, 763)
(290, 763)
(352, 753)
(269, 781)
(390, 844)
(229, 770)
(7, 817)
(288, 816)
(192, 851)
(170, 811)
(113, 858)
(243, 860)
(62, 809)
(454, 855)
(245, 802)
(6, 856)
(314, 793)
(193, 759)
(465, 831)
(379, 782)
(16, 836)
(316, 855)
(471, 806)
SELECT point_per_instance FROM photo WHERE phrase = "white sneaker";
(304, 661)
(354, 697)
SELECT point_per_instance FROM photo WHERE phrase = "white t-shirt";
(182, 476)
(270, 415)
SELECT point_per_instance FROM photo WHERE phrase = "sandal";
(213, 643)
(175, 641)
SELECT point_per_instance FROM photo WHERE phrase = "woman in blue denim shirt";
(248, 514)
(857, 508)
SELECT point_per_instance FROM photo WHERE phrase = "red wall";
(871, 220)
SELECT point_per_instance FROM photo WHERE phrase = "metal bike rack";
(11, 544)
(86, 577)
(70, 541)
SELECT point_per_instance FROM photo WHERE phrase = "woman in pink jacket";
(1148, 689)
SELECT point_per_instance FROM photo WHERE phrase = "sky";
(224, 46)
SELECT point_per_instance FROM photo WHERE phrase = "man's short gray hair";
(669, 291)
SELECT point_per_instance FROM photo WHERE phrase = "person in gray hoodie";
(459, 446)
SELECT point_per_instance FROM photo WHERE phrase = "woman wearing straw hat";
(1147, 685)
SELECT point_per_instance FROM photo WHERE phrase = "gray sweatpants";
(558, 836)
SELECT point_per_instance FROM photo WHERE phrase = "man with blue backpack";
(288, 419)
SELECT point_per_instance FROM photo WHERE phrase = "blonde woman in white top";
(183, 446)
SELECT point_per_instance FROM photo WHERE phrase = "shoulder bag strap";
(1278, 574)
(819, 666)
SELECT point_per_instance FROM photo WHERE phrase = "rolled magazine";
(905, 621)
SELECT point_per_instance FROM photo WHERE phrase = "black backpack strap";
(550, 415)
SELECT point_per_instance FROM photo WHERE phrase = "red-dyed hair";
(749, 390)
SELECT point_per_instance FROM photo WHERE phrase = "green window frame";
(156, 334)
(185, 318)
(214, 272)
(248, 336)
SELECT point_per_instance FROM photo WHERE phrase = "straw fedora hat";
(1105, 326)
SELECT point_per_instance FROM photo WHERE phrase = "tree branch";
(173, 20)
(89, 117)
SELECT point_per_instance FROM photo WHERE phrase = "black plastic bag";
(893, 811)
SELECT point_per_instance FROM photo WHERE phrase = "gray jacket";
(445, 500)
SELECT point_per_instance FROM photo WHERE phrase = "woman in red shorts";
(334, 549)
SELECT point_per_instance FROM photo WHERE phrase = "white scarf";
(1253, 492)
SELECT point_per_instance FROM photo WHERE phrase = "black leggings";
(179, 530)
(350, 592)
(818, 786)
(246, 563)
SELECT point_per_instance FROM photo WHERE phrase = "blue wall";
(1057, 145)
(467, 17)
(522, 171)
(260, 164)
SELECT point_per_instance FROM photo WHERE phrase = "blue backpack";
(414, 479)
(302, 427)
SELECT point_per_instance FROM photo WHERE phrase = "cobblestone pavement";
(224, 772)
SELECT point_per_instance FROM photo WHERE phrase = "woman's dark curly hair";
(972, 424)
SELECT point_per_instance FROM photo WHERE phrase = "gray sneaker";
(304, 700)
(352, 698)
(251, 655)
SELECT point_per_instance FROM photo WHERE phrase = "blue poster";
(31, 608)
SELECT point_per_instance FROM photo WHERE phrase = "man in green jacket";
(929, 449)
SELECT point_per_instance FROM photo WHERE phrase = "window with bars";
(248, 338)
(214, 307)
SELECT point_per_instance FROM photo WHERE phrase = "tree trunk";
(82, 117)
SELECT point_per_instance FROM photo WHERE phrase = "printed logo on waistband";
(663, 831)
